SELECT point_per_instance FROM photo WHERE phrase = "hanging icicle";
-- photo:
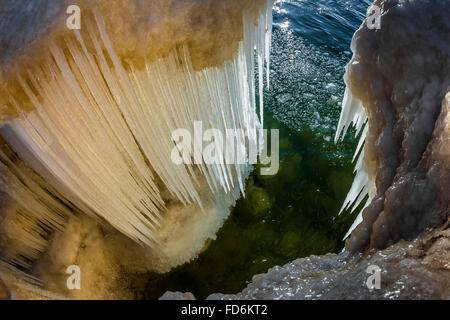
(100, 127)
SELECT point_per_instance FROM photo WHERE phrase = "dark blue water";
(295, 213)
(311, 46)
(326, 23)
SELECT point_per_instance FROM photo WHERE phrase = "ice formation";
(90, 113)
(398, 86)
(353, 113)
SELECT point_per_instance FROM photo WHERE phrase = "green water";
(283, 217)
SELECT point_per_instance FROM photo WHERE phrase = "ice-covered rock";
(398, 79)
(177, 296)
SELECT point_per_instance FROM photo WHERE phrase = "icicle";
(268, 40)
(101, 128)
(352, 112)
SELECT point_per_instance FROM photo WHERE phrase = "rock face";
(401, 74)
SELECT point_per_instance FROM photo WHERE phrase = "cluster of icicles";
(353, 113)
(100, 133)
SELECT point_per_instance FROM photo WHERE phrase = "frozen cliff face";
(91, 112)
(398, 79)
(408, 270)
